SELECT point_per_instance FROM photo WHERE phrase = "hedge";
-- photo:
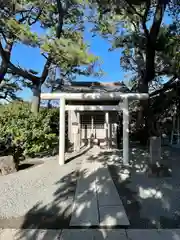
(29, 135)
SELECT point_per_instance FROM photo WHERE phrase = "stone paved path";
(90, 234)
(97, 202)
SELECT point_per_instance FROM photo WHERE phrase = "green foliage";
(168, 61)
(8, 89)
(22, 32)
(137, 27)
(34, 135)
(68, 52)
(60, 39)
(16, 20)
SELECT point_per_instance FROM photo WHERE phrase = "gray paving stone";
(108, 195)
(93, 234)
(103, 174)
(86, 184)
(170, 234)
(113, 216)
(106, 190)
(85, 211)
(87, 178)
(112, 234)
(85, 208)
(73, 234)
(96, 195)
(51, 234)
(143, 234)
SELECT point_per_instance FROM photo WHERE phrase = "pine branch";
(17, 70)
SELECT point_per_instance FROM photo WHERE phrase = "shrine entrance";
(75, 118)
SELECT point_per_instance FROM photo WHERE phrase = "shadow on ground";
(57, 215)
(24, 166)
(150, 202)
(53, 216)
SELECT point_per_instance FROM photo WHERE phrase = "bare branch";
(59, 31)
(139, 68)
(46, 70)
(4, 37)
(60, 19)
(44, 56)
(37, 17)
(16, 70)
(22, 11)
(134, 9)
(21, 20)
(144, 18)
(169, 85)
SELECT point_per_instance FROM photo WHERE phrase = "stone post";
(155, 150)
(78, 131)
(107, 128)
(157, 167)
(125, 132)
(70, 126)
(62, 132)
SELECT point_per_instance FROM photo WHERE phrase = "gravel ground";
(41, 193)
(42, 196)
(150, 201)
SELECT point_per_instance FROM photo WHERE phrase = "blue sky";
(30, 58)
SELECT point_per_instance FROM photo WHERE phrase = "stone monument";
(155, 150)
(156, 165)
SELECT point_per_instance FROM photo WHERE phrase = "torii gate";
(126, 97)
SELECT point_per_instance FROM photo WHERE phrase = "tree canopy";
(147, 32)
(61, 45)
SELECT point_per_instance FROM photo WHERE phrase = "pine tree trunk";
(3, 70)
(35, 105)
(145, 121)
(4, 64)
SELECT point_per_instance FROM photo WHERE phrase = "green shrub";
(31, 135)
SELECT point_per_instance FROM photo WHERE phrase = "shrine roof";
(92, 87)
